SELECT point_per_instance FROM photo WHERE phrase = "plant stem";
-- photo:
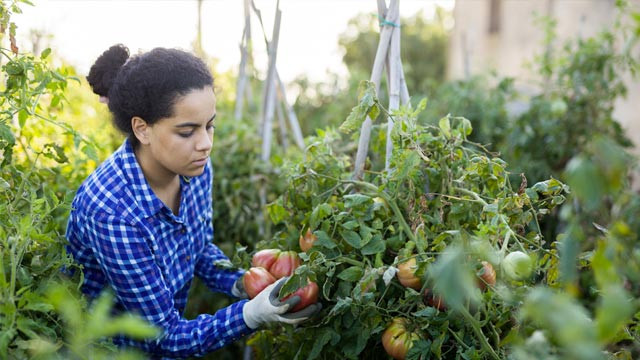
(350, 261)
(394, 207)
(479, 334)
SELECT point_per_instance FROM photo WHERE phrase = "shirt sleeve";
(128, 264)
(215, 277)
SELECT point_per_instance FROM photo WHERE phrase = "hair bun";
(104, 71)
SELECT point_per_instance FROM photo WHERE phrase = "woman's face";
(181, 144)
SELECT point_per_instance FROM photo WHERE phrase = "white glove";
(266, 308)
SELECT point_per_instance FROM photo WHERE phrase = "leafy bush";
(446, 204)
(36, 189)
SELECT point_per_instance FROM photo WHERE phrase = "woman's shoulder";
(106, 187)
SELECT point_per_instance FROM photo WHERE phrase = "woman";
(141, 224)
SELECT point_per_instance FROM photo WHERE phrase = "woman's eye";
(210, 127)
(185, 135)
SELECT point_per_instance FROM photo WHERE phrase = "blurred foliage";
(43, 160)
(582, 81)
(478, 100)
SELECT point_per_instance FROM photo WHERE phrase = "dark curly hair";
(146, 85)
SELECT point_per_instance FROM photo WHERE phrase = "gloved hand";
(238, 289)
(266, 308)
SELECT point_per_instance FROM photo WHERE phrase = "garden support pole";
(293, 119)
(394, 87)
(270, 90)
(376, 74)
(282, 126)
(242, 71)
(291, 115)
(404, 91)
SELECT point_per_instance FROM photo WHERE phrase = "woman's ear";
(140, 129)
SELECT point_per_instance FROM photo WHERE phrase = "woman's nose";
(204, 141)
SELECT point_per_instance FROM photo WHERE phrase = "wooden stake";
(282, 126)
(242, 72)
(376, 74)
(269, 99)
(291, 115)
(394, 88)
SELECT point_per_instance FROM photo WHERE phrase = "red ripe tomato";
(486, 275)
(308, 295)
(306, 241)
(255, 280)
(265, 258)
(397, 340)
(407, 274)
(433, 300)
(285, 264)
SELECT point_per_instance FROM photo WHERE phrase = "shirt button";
(188, 258)
(184, 231)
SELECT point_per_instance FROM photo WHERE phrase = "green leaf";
(319, 212)
(453, 276)
(366, 107)
(614, 311)
(277, 212)
(587, 181)
(4, 186)
(27, 327)
(565, 319)
(6, 134)
(353, 200)
(350, 225)
(324, 240)
(352, 238)
(130, 326)
(427, 312)
(376, 245)
(320, 342)
(351, 274)
(23, 115)
(445, 126)
(341, 306)
(420, 349)
(420, 108)
(45, 53)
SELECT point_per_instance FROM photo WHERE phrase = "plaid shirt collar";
(147, 200)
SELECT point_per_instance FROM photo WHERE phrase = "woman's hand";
(266, 308)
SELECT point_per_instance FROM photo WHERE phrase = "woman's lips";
(201, 162)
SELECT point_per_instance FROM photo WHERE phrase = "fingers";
(302, 315)
(275, 289)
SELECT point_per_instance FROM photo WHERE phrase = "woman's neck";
(164, 183)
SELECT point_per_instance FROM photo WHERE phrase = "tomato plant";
(446, 203)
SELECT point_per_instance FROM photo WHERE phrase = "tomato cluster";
(269, 265)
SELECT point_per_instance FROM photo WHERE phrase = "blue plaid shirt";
(126, 239)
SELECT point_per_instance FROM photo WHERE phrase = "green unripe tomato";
(517, 265)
